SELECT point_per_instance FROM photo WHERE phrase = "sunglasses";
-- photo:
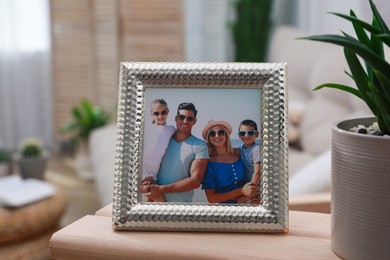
(183, 117)
(213, 133)
(163, 113)
(247, 133)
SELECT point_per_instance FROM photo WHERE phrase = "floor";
(81, 194)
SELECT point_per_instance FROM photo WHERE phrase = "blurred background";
(55, 53)
(59, 68)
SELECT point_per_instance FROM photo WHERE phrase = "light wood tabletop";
(92, 237)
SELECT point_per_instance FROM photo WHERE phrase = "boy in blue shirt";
(250, 153)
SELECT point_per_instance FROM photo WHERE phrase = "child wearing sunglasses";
(156, 142)
(250, 153)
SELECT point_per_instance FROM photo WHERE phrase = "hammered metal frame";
(129, 213)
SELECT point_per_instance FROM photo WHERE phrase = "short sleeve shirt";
(250, 157)
(176, 165)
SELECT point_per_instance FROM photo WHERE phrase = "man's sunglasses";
(163, 113)
(247, 133)
(183, 117)
(213, 133)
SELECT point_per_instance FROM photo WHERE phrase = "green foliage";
(251, 29)
(4, 155)
(86, 117)
(373, 79)
(31, 148)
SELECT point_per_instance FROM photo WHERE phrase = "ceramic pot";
(4, 168)
(360, 204)
(83, 162)
(33, 167)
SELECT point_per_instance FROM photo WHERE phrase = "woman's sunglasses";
(183, 117)
(247, 133)
(213, 133)
(163, 113)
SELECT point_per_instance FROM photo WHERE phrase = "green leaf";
(364, 25)
(377, 43)
(360, 32)
(361, 79)
(77, 114)
(69, 127)
(383, 36)
(377, 47)
(384, 81)
(86, 117)
(351, 90)
(359, 48)
(358, 22)
(379, 18)
(384, 108)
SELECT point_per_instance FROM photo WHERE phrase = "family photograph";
(202, 146)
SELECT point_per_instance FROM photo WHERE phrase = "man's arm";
(197, 171)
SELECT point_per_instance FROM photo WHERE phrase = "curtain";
(207, 31)
(25, 81)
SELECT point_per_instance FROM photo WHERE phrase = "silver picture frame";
(131, 213)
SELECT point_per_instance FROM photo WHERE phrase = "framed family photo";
(202, 147)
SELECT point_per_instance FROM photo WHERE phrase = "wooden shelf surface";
(92, 237)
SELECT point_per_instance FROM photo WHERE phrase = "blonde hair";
(229, 147)
(159, 101)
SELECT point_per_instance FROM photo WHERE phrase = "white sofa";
(311, 114)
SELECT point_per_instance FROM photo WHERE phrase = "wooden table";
(92, 237)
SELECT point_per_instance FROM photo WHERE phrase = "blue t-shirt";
(176, 165)
(224, 177)
(250, 156)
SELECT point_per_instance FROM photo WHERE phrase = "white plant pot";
(83, 162)
(360, 205)
(4, 168)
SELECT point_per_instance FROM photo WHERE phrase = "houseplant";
(360, 163)
(31, 159)
(251, 29)
(85, 118)
(5, 159)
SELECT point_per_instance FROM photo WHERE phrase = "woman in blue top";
(224, 180)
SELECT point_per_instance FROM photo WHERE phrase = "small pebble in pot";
(362, 131)
(379, 133)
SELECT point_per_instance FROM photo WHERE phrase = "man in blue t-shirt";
(184, 162)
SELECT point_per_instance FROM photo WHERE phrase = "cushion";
(314, 177)
(102, 144)
(298, 159)
(318, 118)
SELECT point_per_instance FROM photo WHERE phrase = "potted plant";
(5, 160)
(360, 205)
(251, 29)
(85, 118)
(31, 159)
